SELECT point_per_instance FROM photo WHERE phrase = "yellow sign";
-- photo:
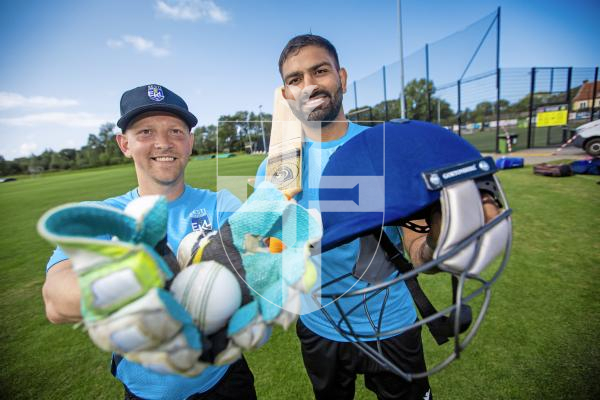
(551, 118)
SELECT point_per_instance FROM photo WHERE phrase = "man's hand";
(271, 283)
(61, 294)
(420, 246)
(123, 304)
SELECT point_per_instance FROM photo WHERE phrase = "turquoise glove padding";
(271, 283)
(270, 276)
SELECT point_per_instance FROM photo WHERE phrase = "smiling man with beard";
(314, 85)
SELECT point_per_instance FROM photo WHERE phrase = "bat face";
(284, 163)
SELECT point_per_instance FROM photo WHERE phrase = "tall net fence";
(457, 83)
(468, 52)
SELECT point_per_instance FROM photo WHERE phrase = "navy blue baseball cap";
(380, 173)
(153, 98)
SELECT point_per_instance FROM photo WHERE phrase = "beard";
(327, 114)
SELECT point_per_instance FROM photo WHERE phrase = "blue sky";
(65, 64)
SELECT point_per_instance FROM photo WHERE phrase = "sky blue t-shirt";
(195, 209)
(399, 309)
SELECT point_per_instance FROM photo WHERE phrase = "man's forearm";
(415, 243)
(420, 252)
(421, 246)
(61, 294)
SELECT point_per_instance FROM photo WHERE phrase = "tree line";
(438, 110)
(237, 132)
(244, 130)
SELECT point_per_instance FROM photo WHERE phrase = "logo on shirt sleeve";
(201, 221)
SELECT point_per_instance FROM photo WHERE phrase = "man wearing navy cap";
(314, 84)
(156, 133)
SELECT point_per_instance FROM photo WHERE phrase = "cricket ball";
(209, 292)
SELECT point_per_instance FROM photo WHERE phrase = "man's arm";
(61, 294)
(420, 246)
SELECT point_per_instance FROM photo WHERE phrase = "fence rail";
(488, 106)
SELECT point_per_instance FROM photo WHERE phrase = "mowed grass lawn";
(485, 140)
(540, 339)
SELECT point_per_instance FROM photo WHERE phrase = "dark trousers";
(332, 367)
(237, 384)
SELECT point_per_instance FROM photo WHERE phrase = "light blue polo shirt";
(195, 209)
(399, 308)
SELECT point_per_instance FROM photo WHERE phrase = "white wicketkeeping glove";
(124, 305)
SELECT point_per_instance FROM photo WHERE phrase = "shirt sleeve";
(395, 235)
(58, 256)
(227, 204)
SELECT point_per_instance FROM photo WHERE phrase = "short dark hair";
(297, 43)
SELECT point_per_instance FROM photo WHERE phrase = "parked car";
(588, 138)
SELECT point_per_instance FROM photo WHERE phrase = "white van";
(589, 138)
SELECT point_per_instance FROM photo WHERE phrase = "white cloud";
(77, 120)
(15, 100)
(145, 46)
(140, 44)
(192, 10)
(26, 149)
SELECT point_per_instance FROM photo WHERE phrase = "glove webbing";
(221, 249)
(214, 344)
(163, 250)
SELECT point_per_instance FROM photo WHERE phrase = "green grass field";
(540, 339)
(541, 137)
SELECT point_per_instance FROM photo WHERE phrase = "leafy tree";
(68, 155)
(9, 167)
(3, 166)
(57, 162)
(415, 94)
(483, 110)
(205, 139)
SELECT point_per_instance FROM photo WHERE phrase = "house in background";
(584, 97)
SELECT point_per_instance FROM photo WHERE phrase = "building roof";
(586, 91)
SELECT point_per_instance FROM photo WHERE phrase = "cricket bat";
(284, 162)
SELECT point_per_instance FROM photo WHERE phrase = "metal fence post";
(355, 96)
(385, 104)
(569, 78)
(497, 149)
(594, 94)
(427, 83)
(549, 129)
(459, 110)
(531, 93)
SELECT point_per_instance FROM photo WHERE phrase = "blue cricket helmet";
(392, 174)
(396, 154)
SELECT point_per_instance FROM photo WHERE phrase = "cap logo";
(155, 93)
